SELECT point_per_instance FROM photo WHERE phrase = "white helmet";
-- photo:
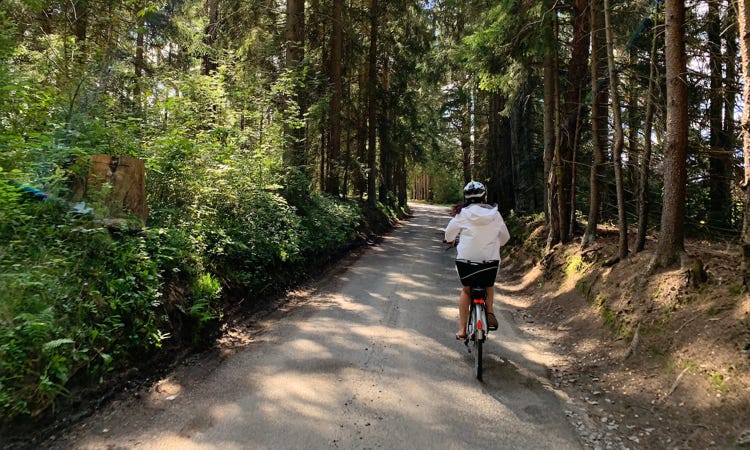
(474, 189)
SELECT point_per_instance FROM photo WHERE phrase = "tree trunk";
(645, 161)
(401, 174)
(499, 156)
(294, 154)
(618, 143)
(720, 195)
(138, 66)
(730, 92)
(573, 115)
(209, 36)
(372, 104)
(360, 180)
(743, 21)
(386, 148)
(332, 184)
(671, 245)
(598, 120)
(80, 28)
(465, 139)
(551, 109)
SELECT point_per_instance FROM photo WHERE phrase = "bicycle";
(478, 276)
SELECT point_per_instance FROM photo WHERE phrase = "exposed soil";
(653, 362)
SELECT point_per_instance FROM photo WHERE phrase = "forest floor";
(651, 362)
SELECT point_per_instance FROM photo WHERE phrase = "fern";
(57, 343)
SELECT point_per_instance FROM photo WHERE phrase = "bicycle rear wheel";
(478, 357)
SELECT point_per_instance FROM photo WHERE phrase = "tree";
(294, 155)
(720, 155)
(598, 119)
(671, 244)
(499, 155)
(644, 162)
(551, 122)
(743, 25)
(372, 81)
(332, 184)
(618, 136)
(572, 116)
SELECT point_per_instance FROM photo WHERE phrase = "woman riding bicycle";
(483, 232)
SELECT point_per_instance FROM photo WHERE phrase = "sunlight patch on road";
(404, 280)
(449, 313)
(408, 296)
(225, 411)
(306, 346)
(301, 394)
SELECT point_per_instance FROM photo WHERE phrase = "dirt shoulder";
(648, 362)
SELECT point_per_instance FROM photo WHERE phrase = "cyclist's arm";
(452, 230)
(504, 234)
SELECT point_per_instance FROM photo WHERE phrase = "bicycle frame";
(478, 314)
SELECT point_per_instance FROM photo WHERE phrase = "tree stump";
(126, 177)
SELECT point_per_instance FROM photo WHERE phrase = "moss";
(575, 264)
(716, 379)
(737, 289)
(583, 285)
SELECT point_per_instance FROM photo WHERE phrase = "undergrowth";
(81, 301)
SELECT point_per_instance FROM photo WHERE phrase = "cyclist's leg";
(491, 319)
(490, 298)
(464, 299)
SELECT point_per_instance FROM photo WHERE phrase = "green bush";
(77, 300)
(328, 225)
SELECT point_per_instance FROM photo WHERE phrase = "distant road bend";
(369, 361)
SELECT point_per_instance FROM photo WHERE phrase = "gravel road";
(367, 361)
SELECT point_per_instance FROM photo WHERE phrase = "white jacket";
(482, 231)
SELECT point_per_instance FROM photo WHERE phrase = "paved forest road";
(369, 361)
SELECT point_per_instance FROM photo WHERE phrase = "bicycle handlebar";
(451, 244)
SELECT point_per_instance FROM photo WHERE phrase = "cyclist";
(483, 232)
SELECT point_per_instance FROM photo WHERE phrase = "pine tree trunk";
(209, 36)
(598, 120)
(618, 143)
(572, 115)
(743, 21)
(372, 104)
(720, 196)
(386, 148)
(294, 154)
(671, 245)
(645, 160)
(332, 184)
(551, 108)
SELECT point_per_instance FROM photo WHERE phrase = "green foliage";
(205, 307)
(327, 225)
(81, 301)
(575, 264)
(76, 298)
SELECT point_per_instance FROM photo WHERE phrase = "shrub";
(77, 301)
